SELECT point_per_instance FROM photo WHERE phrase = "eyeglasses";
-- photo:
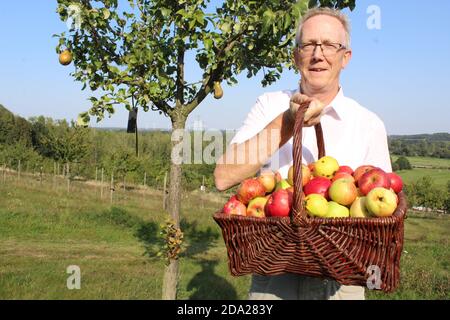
(328, 48)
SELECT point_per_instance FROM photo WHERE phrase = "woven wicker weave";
(343, 249)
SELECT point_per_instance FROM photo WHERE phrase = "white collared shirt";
(353, 135)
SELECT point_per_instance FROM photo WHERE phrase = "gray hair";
(327, 12)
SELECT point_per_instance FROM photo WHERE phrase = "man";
(352, 134)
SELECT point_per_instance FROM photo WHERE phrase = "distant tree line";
(41, 142)
(435, 145)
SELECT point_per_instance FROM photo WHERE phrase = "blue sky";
(401, 72)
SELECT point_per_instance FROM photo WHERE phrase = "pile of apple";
(331, 191)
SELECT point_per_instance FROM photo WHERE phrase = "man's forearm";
(244, 160)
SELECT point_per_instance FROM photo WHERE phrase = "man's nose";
(318, 53)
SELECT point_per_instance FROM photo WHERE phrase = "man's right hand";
(313, 111)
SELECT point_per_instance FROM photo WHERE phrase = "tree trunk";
(171, 271)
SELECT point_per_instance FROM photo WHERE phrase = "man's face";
(320, 73)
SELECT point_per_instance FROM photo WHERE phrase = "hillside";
(441, 136)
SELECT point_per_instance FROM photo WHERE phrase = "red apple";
(318, 185)
(396, 182)
(279, 204)
(256, 206)
(250, 189)
(373, 179)
(267, 178)
(346, 169)
(234, 206)
(343, 175)
(360, 171)
(343, 191)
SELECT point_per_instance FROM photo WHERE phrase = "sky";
(400, 71)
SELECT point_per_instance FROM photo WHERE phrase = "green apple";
(358, 208)
(335, 210)
(283, 184)
(343, 191)
(326, 167)
(381, 202)
(316, 205)
(256, 206)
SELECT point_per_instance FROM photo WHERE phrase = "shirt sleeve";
(377, 147)
(261, 114)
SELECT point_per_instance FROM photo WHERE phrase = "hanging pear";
(65, 57)
(218, 92)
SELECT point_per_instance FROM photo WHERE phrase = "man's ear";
(346, 59)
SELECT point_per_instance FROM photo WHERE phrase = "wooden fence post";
(112, 187)
(164, 192)
(101, 186)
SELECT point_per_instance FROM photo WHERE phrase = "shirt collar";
(336, 106)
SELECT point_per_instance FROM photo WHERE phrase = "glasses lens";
(329, 49)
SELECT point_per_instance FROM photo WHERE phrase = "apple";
(267, 178)
(358, 208)
(250, 189)
(306, 175)
(360, 171)
(326, 167)
(396, 182)
(279, 204)
(381, 202)
(256, 206)
(283, 184)
(345, 169)
(343, 175)
(372, 179)
(234, 206)
(316, 205)
(318, 185)
(335, 210)
(396, 196)
(343, 191)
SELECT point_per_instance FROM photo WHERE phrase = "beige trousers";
(295, 287)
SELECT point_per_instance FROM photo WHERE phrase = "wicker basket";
(343, 249)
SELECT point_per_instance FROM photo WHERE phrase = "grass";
(440, 176)
(427, 161)
(43, 231)
(435, 168)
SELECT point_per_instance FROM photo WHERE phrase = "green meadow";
(44, 230)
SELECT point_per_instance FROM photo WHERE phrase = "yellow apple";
(358, 208)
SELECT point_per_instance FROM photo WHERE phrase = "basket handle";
(298, 211)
